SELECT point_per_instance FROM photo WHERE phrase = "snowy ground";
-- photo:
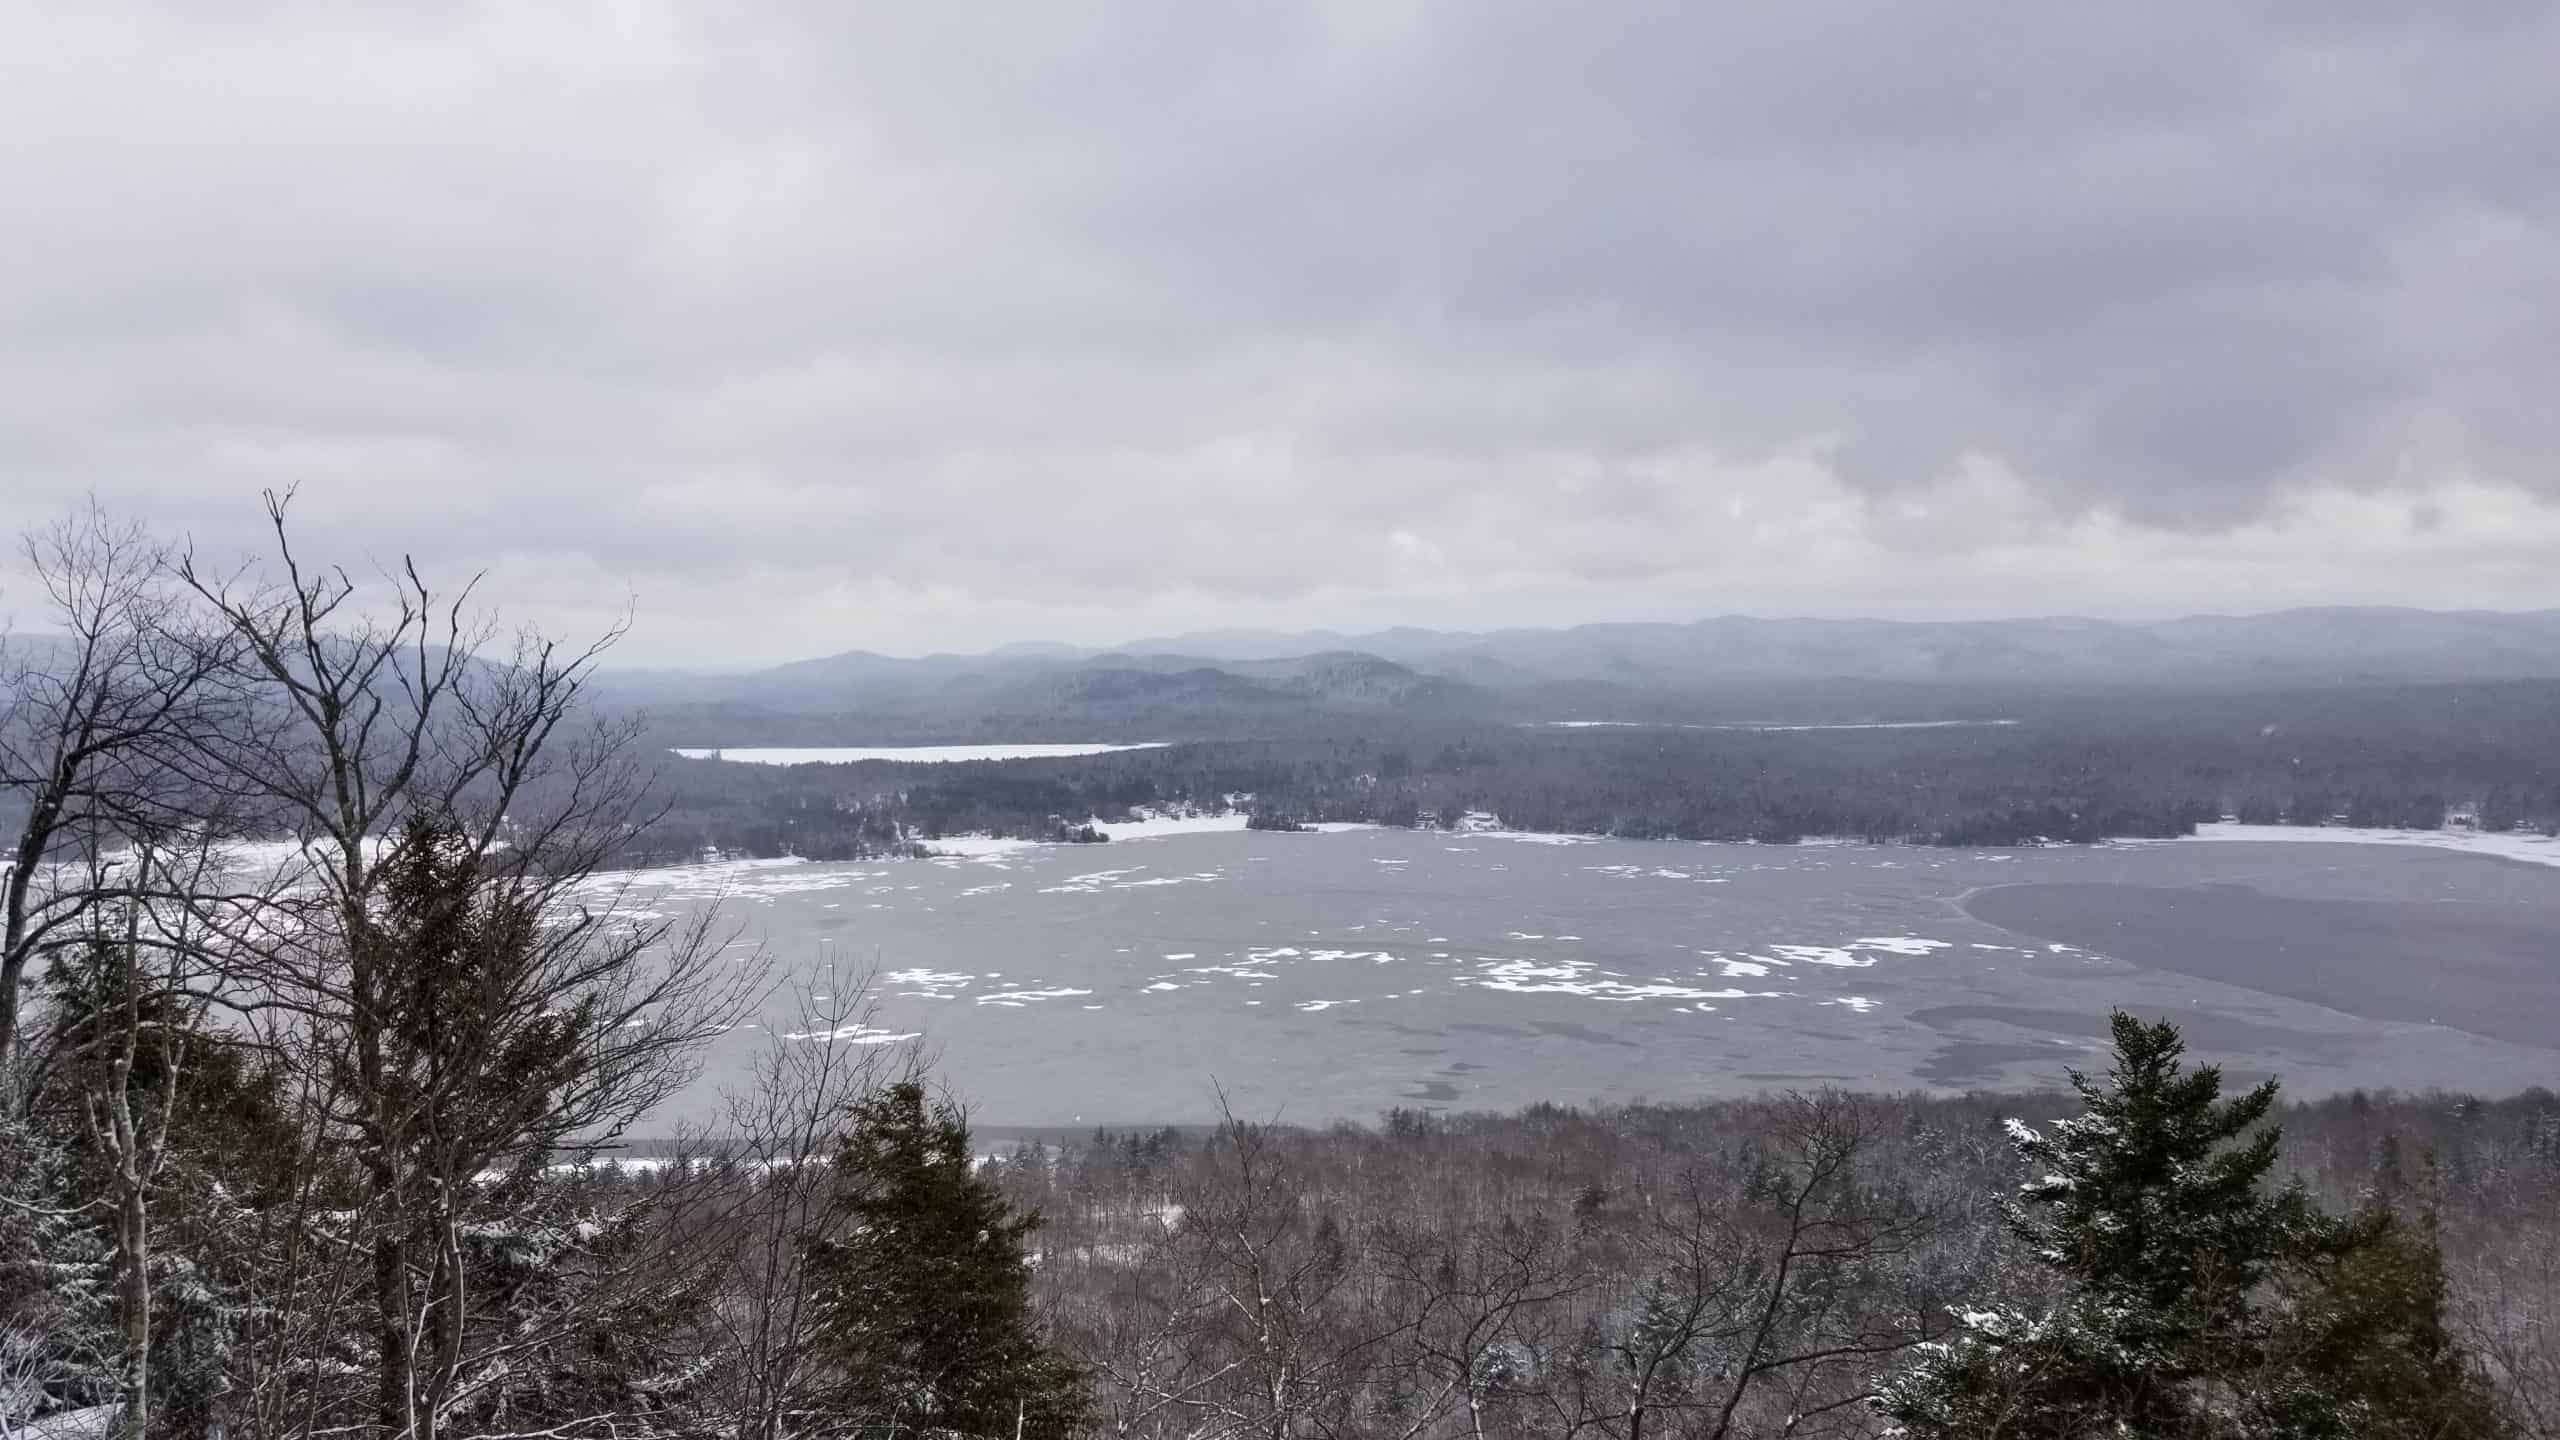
(2512, 845)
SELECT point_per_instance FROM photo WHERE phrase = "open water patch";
(2489, 970)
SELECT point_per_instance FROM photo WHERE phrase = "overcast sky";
(927, 325)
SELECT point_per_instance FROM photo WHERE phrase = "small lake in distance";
(903, 754)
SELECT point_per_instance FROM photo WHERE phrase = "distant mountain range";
(1249, 681)
(2321, 644)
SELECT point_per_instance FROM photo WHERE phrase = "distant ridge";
(2378, 635)
(2334, 643)
(1240, 682)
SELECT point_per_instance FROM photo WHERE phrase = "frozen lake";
(1317, 976)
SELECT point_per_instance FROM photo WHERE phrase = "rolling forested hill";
(1230, 685)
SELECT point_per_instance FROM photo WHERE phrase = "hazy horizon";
(904, 328)
(1148, 643)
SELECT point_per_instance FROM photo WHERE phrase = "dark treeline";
(1552, 1271)
(2069, 770)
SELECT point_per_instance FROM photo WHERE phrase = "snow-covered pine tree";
(57, 1295)
(926, 1298)
(2360, 1343)
(2203, 1300)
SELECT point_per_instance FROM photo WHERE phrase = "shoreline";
(2512, 847)
(2515, 846)
(2518, 846)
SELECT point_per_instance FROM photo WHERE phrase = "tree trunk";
(15, 952)
(391, 1333)
(133, 1286)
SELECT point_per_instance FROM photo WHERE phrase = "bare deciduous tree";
(147, 975)
(95, 719)
(477, 997)
(775, 1160)
(1472, 1305)
(2510, 1315)
(1770, 1297)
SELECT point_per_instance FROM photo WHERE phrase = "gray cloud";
(904, 325)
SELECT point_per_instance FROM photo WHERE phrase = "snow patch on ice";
(1581, 977)
(1019, 998)
(856, 1035)
(1823, 955)
(928, 984)
(1653, 872)
(758, 882)
(1100, 880)
(1849, 956)
(1900, 944)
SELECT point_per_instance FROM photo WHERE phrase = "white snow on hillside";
(2531, 848)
